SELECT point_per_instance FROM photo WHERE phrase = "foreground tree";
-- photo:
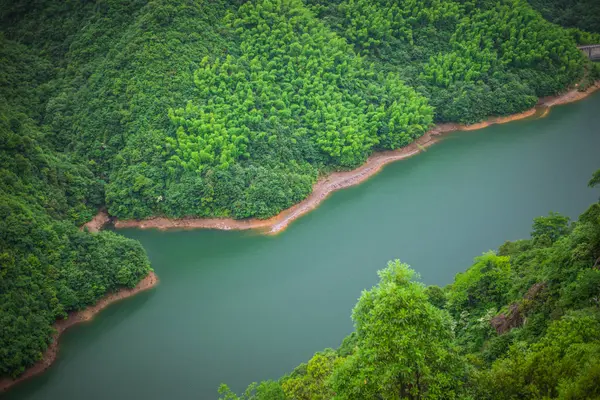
(404, 347)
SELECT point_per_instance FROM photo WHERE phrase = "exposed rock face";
(535, 290)
(503, 323)
(515, 317)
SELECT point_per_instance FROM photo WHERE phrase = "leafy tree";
(404, 346)
(550, 228)
(267, 390)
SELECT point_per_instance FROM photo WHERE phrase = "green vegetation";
(522, 322)
(581, 14)
(229, 108)
(48, 267)
(296, 87)
(233, 109)
(470, 59)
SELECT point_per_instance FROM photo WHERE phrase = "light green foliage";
(464, 65)
(404, 344)
(313, 382)
(371, 25)
(293, 74)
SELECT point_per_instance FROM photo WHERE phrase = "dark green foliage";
(48, 267)
(582, 14)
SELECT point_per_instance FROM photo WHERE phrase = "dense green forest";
(522, 322)
(225, 108)
(580, 14)
(48, 267)
(233, 109)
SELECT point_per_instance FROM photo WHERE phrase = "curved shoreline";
(340, 180)
(75, 318)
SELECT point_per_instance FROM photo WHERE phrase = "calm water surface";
(237, 307)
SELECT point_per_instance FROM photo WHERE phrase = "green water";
(237, 307)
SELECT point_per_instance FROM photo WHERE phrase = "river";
(238, 307)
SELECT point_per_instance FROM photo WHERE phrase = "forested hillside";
(521, 323)
(233, 109)
(224, 108)
(470, 59)
(48, 267)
